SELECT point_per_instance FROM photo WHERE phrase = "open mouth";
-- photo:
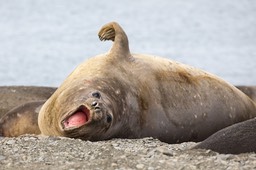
(78, 118)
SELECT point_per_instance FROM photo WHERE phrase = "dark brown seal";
(21, 120)
(249, 91)
(124, 95)
(14, 96)
(235, 139)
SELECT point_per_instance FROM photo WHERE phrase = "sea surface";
(42, 41)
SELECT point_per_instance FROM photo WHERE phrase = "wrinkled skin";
(124, 95)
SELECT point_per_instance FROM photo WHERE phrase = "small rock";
(123, 157)
(113, 164)
(164, 151)
(27, 138)
(225, 156)
(139, 166)
(161, 161)
(10, 142)
(2, 157)
(15, 149)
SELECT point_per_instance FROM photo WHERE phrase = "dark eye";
(96, 94)
(109, 118)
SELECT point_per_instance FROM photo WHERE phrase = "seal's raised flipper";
(107, 33)
(113, 31)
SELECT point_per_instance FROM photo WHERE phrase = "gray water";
(42, 41)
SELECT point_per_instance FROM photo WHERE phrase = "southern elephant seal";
(21, 120)
(235, 139)
(249, 91)
(124, 95)
(14, 96)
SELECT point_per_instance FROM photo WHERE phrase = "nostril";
(97, 108)
(94, 103)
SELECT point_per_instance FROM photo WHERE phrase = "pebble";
(2, 157)
(150, 154)
(10, 142)
(113, 164)
(140, 166)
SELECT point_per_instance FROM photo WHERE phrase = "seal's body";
(250, 91)
(235, 139)
(21, 120)
(124, 95)
(14, 96)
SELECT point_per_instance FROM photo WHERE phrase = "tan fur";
(145, 95)
(21, 120)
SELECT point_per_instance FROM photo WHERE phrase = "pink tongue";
(76, 119)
